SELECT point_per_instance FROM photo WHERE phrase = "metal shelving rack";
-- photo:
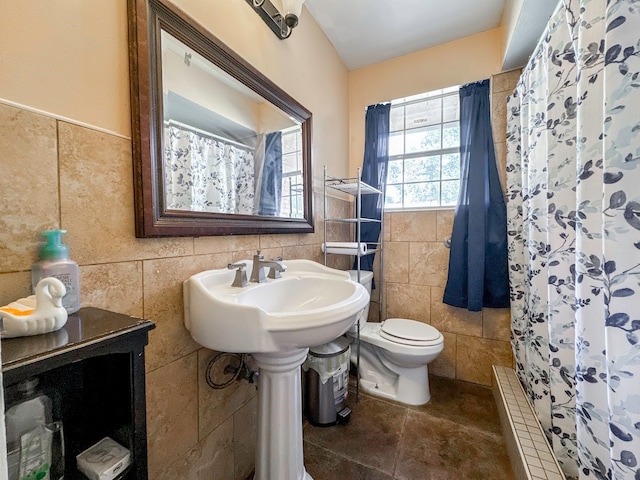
(357, 188)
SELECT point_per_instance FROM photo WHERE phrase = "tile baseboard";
(530, 454)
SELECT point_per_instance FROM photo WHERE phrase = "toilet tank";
(366, 279)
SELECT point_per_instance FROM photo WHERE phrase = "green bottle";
(55, 262)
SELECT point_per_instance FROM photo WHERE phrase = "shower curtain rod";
(213, 136)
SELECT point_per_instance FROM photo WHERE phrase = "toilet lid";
(409, 332)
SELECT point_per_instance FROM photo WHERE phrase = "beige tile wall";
(60, 175)
(415, 274)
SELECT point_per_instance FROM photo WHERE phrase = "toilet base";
(376, 390)
(381, 379)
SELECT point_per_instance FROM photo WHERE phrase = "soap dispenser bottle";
(55, 262)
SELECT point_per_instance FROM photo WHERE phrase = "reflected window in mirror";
(292, 204)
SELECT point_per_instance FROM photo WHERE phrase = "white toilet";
(394, 354)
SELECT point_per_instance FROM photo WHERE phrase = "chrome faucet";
(257, 273)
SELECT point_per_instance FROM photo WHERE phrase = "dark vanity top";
(87, 332)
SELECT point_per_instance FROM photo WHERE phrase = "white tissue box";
(104, 461)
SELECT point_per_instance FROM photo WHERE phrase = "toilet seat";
(409, 332)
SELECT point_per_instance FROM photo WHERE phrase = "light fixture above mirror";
(281, 22)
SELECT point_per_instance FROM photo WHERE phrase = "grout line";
(58, 173)
(396, 455)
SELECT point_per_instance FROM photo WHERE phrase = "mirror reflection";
(226, 149)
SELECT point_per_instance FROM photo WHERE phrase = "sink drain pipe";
(234, 367)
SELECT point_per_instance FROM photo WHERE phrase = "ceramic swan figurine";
(36, 314)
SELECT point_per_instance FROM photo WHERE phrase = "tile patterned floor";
(455, 436)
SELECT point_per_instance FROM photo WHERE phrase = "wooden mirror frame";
(146, 20)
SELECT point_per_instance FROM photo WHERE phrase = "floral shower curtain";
(573, 174)
(203, 174)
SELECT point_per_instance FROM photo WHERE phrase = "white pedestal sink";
(276, 321)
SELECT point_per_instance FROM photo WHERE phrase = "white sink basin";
(310, 305)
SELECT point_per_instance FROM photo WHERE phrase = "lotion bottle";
(55, 262)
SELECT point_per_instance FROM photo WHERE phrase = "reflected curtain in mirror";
(271, 176)
(205, 174)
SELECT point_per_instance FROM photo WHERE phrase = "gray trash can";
(327, 383)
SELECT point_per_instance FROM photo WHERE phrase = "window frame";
(412, 100)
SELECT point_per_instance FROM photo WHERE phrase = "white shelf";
(353, 220)
(350, 186)
(356, 187)
(368, 252)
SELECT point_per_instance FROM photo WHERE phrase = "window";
(291, 204)
(424, 151)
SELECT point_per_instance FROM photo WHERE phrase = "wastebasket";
(327, 383)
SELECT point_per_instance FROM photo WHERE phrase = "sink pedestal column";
(279, 454)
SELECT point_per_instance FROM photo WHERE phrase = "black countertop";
(87, 327)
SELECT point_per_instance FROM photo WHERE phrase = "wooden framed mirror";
(218, 148)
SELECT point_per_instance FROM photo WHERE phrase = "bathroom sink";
(276, 321)
(310, 305)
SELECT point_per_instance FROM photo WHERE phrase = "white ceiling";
(365, 32)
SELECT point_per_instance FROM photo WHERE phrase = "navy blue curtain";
(271, 186)
(478, 274)
(374, 173)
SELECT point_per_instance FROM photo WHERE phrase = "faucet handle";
(240, 279)
(274, 273)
